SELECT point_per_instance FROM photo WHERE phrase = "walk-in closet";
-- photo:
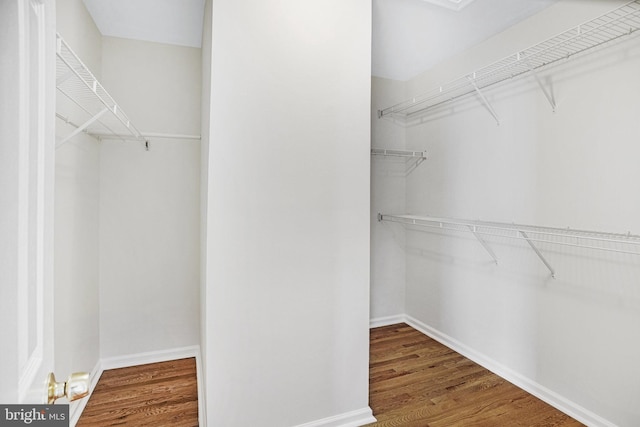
(127, 196)
(322, 214)
(505, 211)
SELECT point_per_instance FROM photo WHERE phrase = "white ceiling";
(164, 21)
(409, 36)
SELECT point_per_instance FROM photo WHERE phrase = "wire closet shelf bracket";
(615, 24)
(92, 109)
(534, 235)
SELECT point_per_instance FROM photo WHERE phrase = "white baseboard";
(76, 408)
(150, 357)
(552, 398)
(387, 320)
(349, 419)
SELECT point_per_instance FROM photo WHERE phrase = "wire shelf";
(592, 240)
(620, 22)
(398, 153)
(91, 109)
(413, 159)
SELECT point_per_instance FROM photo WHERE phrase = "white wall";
(149, 202)
(76, 213)
(388, 189)
(287, 292)
(149, 259)
(76, 256)
(572, 338)
(158, 85)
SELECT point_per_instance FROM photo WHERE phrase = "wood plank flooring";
(417, 382)
(157, 394)
(414, 382)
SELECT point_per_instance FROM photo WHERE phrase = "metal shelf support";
(537, 251)
(483, 243)
(547, 94)
(485, 101)
(82, 127)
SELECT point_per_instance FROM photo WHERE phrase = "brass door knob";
(76, 387)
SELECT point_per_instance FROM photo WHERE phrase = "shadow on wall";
(605, 276)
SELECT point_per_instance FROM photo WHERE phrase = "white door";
(27, 111)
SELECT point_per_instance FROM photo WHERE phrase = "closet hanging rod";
(170, 135)
(150, 135)
(491, 228)
(617, 23)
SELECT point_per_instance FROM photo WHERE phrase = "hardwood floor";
(417, 382)
(157, 394)
(414, 382)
